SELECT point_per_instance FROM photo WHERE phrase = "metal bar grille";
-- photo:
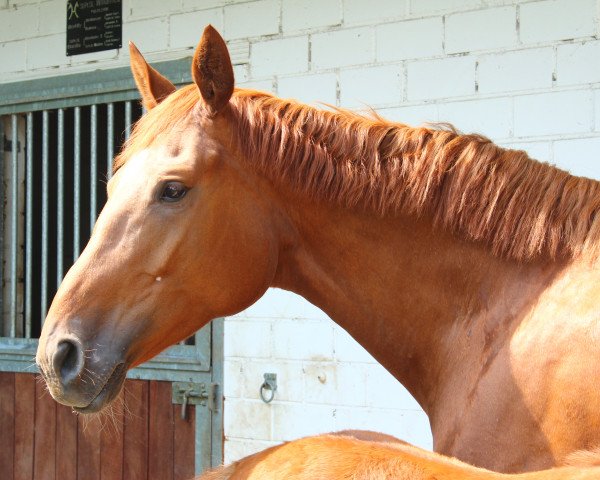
(76, 182)
(28, 224)
(45, 225)
(53, 195)
(14, 212)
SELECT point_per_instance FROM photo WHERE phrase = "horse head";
(184, 237)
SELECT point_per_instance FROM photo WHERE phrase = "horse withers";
(467, 270)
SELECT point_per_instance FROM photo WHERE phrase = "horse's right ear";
(153, 87)
(212, 70)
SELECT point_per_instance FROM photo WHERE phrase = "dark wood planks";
(24, 422)
(7, 424)
(88, 448)
(160, 441)
(184, 442)
(135, 431)
(66, 443)
(111, 443)
(44, 442)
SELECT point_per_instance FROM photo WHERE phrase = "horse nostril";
(67, 361)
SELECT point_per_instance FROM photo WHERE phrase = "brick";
(95, 57)
(578, 63)
(342, 48)
(241, 73)
(293, 420)
(201, 4)
(307, 14)
(236, 449)
(186, 29)
(371, 86)
(247, 419)
(349, 350)
(384, 391)
(19, 22)
(279, 57)
(13, 56)
(277, 303)
(553, 20)
(148, 35)
(410, 39)
(233, 371)
(489, 117)
(409, 425)
(428, 7)
(447, 77)
(373, 11)
(481, 30)
(50, 51)
(252, 19)
(553, 113)
(580, 156)
(519, 70)
(261, 85)
(140, 9)
(52, 17)
(303, 339)
(313, 88)
(244, 378)
(334, 383)
(537, 150)
(247, 338)
(597, 111)
(414, 115)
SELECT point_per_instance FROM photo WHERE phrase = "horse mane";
(522, 208)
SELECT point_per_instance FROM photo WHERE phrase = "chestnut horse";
(466, 269)
(347, 456)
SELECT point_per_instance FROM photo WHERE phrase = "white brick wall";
(526, 73)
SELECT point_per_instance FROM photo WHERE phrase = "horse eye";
(173, 192)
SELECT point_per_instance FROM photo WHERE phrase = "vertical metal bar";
(110, 146)
(3, 160)
(28, 224)
(60, 187)
(14, 215)
(93, 164)
(127, 119)
(76, 181)
(45, 161)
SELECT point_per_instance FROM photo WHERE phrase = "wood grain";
(24, 423)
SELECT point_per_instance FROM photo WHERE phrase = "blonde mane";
(520, 207)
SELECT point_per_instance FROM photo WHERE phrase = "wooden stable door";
(142, 437)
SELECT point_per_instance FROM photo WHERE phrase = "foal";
(358, 455)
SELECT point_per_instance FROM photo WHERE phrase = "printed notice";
(94, 25)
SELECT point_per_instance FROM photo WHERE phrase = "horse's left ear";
(153, 87)
(212, 70)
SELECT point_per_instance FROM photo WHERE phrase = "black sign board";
(94, 25)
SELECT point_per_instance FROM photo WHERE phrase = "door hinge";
(186, 393)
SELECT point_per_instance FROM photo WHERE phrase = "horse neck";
(418, 299)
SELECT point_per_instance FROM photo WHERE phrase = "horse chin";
(109, 391)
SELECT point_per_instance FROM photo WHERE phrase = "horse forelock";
(520, 207)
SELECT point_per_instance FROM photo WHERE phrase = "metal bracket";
(7, 145)
(187, 393)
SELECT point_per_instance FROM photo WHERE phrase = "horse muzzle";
(77, 376)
